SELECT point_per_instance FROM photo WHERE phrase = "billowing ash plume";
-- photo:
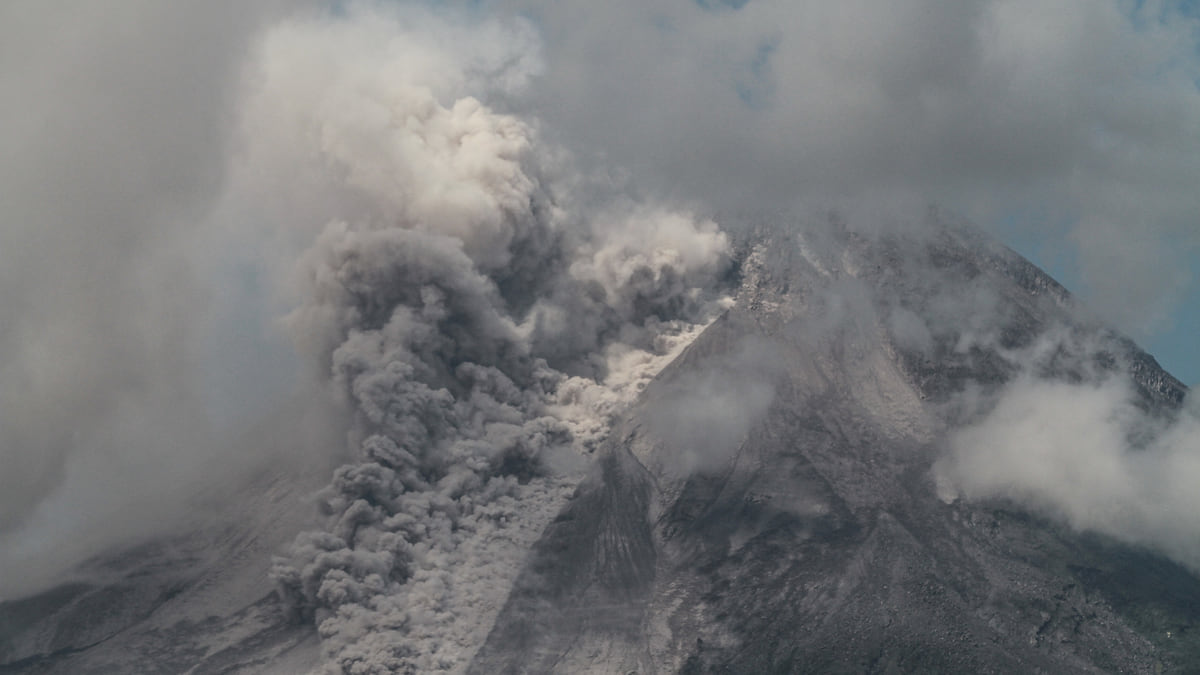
(481, 324)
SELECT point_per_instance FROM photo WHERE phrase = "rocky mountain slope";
(818, 540)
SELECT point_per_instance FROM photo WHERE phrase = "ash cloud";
(481, 320)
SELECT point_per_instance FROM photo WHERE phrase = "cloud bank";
(113, 151)
(1073, 121)
(703, 416)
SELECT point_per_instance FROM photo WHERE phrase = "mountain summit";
(777, 500)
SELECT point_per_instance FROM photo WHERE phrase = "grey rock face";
(818, 542)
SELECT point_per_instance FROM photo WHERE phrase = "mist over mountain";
(560, 337)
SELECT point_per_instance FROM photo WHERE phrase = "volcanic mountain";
(777, 499)
(771, 504)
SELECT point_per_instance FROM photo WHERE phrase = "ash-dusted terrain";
(197, 603)
(819, 539)
(794, 492)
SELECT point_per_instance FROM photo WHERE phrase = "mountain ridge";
(822, 544)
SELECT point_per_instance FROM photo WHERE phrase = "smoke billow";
(481, 326)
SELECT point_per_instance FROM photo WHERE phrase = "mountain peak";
(771, 503)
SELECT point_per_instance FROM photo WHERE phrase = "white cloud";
(1085, 112)
(1085, 454)
(113, 148)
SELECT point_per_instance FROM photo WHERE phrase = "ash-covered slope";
(198, 602)
(774, 503)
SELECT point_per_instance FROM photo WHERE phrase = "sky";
(1175, 348)
(156, 200)
(1172, 340)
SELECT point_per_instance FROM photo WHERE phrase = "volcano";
(772, 502)
(819, 540)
